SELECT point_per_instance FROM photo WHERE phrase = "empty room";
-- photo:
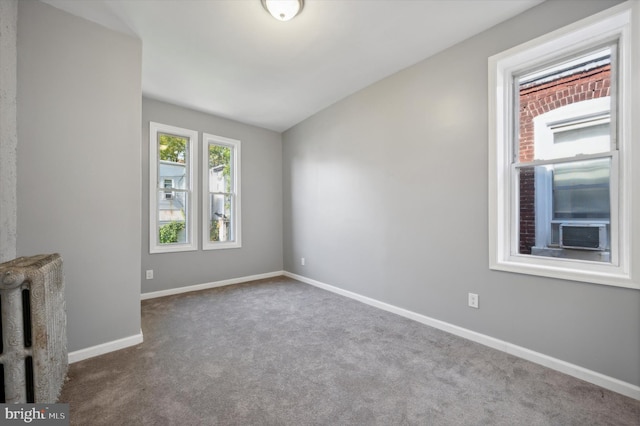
(321, 212)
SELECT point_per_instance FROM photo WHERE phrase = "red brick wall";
(536, 100)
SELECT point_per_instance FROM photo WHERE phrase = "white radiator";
(33, 330)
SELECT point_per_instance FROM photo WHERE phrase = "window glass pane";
(586, 134)
(172, 217)
(555, 233)
(565, 202)
(220, 226)
(220, 168)
(172, 148)
(172, 152)
(565, 108)
(527, 206)
(581, 190)
(172, 175)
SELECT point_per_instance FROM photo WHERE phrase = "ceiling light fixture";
(283, 10)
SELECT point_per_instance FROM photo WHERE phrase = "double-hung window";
(559, 164)
(173, 188)
(221, 193)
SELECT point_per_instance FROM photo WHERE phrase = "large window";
(173, 194)
(221, 192)
(559, 164)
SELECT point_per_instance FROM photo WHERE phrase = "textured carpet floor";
(278, 352)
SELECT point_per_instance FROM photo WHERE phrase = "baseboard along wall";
(125, 342)
(198, 287)
(105, 348)
(582, 373)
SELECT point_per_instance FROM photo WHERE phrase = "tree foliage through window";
(169, 233)
(172, 148)
(218, 156)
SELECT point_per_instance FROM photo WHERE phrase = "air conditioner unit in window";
(584, 236)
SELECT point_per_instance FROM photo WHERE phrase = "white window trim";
(154, 187)
(603, 27)
(236, 208)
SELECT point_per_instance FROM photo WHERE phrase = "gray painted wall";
(8, 129)
(79, 112)
(386, 195)
(261, 179)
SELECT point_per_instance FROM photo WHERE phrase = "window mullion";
(577, 158)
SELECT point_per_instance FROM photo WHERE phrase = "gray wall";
(386, 195)
(79, 112)
(8, 129)
(261, 192)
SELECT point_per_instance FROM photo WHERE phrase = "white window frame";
(612, 24)
(155, 186)
(234, 144)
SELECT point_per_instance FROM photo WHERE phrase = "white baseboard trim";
(104, 348)
(197, 287)
(125, 342)
(582, 373)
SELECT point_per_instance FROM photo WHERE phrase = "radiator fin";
(33, 323)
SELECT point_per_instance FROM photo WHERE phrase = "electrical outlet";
(473, 300)
(149, 274)
(302, 261)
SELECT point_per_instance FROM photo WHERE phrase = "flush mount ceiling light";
(283, 10)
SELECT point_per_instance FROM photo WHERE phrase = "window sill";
(221, 246)
(567, 269)
(562, 253)
(172, 249)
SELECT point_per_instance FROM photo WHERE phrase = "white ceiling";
(232, 59)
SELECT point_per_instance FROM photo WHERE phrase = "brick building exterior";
(539, 97)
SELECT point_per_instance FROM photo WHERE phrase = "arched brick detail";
(536, 99)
